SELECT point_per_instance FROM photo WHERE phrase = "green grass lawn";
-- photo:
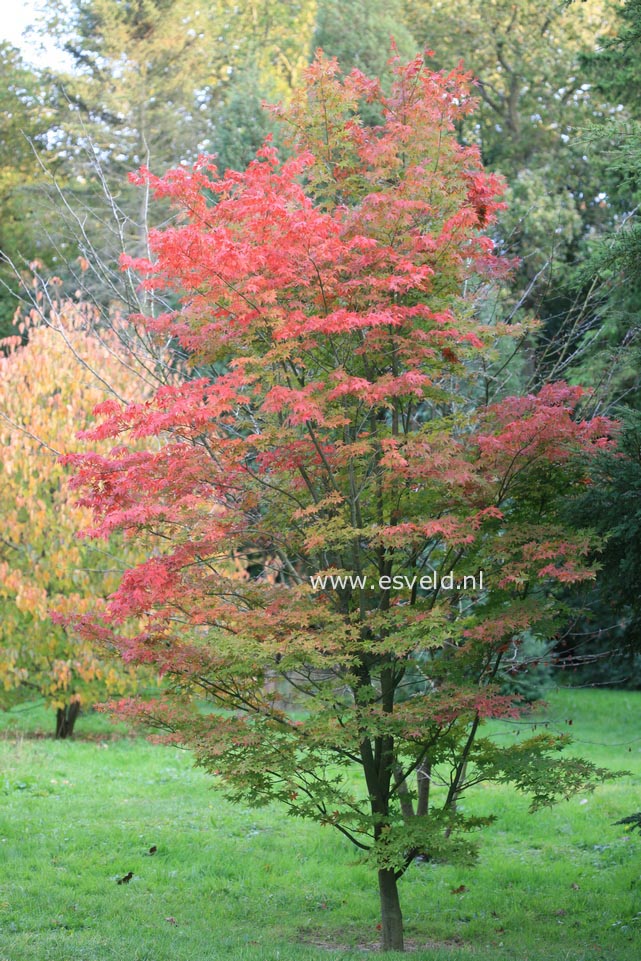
(233, 883)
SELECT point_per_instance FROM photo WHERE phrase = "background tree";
(339, 439)
(612, 355)
(601, 646)
(23, 125)
(154, 82)
(138, 90)
(537, 102)
(48, 389)
(526, 61)
(137, 73)
(360, 34)
(606, 644)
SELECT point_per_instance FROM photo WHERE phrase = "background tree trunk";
(423, 777)
(405, 800)
(66, 718)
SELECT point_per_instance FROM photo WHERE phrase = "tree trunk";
(453, 803)
(66, 718)
(407, 807)
(424, 776)
(391, 917)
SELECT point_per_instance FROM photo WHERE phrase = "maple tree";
(334, 430)
(48, 388)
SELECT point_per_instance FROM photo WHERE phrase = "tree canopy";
(408, 535)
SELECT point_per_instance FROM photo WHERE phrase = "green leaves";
(534, 767)
(438, 837)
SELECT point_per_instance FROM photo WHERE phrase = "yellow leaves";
(113, 682)
(61, 674)
(11, 675)
(31, 599)
(330, 533)
(27, 597)
(90, 671)
(332, 501)
(66, 674)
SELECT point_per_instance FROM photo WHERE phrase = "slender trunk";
(407, 807)
(423, 776)
(66, 718)
(451, 807)
(454, 802)
(391, 917)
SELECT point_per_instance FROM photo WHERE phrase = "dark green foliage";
(612, 507)
(633, 820)
(22, 129)
(241, 122)
(600, 648)
(614, 68)
(611, 263)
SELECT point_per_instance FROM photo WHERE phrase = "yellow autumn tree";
(52, 375)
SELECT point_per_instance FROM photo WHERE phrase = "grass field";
(242, 885)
